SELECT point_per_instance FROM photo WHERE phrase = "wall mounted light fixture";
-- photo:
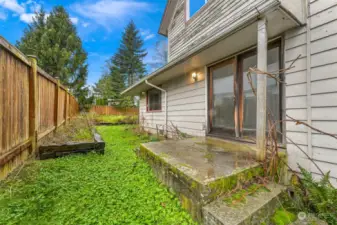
(194, 76)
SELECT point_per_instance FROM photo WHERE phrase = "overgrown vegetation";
(315, 197)
(283, 217)
(116, 119)
(115, 188)
(77, 130)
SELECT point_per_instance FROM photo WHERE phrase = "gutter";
(160, 89)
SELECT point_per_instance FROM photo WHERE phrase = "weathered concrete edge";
(210, 190)
(270, 206)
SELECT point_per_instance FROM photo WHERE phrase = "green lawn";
(115, 188)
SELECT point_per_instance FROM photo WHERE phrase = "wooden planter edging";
(56, 151)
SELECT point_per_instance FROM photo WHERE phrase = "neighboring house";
(204, 90)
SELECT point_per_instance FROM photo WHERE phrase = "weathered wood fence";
(110, 110)
(32, 105)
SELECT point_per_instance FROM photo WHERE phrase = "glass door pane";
(273, 95)
(223, 99)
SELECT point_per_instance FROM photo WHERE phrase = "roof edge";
(165, 20)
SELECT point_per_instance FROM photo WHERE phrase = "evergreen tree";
(130, 55)
(110, 86)
(55, 42)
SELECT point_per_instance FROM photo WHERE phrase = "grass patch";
(115, 120)
(115, 188)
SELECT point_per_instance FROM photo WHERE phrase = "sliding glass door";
(232, 103)
(222, 98)
(248, 108)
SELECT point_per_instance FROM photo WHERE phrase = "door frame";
(236, 60)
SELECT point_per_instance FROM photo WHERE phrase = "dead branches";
(271, 161)
(274, 75)
(311, 127)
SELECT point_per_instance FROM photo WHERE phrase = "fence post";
(33, 96)
(66, 107)
(56, 109)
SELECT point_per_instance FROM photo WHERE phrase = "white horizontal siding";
(324, 100)
(323, 90)
(324, 72)
(296, 97)
(296, 77)
(325, 16)
(186, 107)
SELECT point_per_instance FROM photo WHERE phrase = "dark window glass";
(154, 100)
(223, 98)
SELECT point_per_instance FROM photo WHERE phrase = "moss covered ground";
(115, 188)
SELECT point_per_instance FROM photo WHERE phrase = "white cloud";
(27, 17)
(12, 5)
(147, 34)
(106, 13)
(148, 37)
(3, 15)
(25, 10)
(32, 5)
(85, 24)
(74, 20)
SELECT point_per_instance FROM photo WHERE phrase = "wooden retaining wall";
(32, 105)
(110, 110)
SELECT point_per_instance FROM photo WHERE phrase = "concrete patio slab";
(201, 169)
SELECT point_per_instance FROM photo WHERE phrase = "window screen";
(154, 100)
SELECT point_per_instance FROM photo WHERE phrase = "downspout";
(160, 89)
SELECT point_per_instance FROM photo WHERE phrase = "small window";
(195, 6)
(154, 100)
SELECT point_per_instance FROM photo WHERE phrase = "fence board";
(46, 102)
(14, 102)
(110, 110)
(16, 89)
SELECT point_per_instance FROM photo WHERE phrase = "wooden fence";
(32, 105)
(110, 110)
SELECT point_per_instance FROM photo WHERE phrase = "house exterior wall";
(186, 106)
(214, 19)
(311, 90)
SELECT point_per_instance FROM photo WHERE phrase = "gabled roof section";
(166, 19)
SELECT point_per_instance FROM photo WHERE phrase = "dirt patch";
(77, 130)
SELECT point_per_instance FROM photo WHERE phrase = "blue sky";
(99, 24)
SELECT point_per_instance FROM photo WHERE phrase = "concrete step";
(255, 210)
(199, 172)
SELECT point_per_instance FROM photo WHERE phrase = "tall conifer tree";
(55, 42)
(130, 55)
(123, 69)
